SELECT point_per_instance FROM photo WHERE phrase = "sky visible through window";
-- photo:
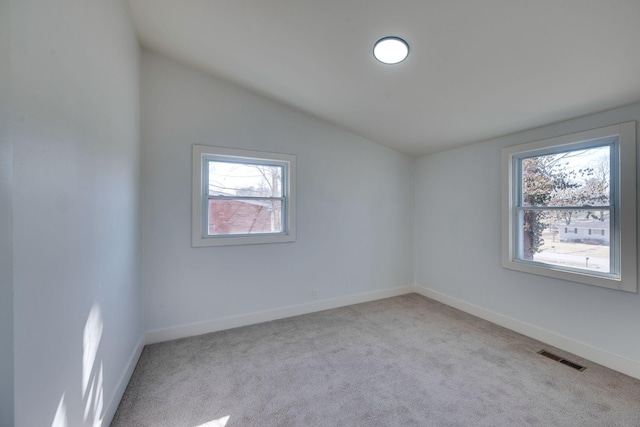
(241, 179)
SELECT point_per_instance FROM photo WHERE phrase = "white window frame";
(623, 230)
(199, 219)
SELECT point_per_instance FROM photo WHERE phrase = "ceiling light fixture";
(391, 50)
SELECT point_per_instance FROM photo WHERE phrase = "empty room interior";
(295, 213)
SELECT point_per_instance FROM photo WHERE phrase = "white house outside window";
(242, 197)
(569, 207)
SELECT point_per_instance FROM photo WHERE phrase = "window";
(242, 197)
(556, 191)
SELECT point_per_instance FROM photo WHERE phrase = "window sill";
(578, 277)
(200, 242)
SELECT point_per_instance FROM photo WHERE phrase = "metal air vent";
(562, 360)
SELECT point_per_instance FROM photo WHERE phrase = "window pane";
(244, 180)
(571, 178)
(576, 239)
(243, 216)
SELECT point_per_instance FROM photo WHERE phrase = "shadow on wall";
(92, 375)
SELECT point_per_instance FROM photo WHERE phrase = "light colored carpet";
(403, 361)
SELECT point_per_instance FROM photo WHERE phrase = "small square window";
(242, 197)
(556, 191)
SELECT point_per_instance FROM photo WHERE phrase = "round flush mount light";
(391, 50)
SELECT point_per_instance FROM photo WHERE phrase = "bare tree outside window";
(579, 181)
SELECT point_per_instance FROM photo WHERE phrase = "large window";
(242, 197)
(569, 207)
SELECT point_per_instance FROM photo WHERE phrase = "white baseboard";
(116, 396)
(586, 351)
(160, 335)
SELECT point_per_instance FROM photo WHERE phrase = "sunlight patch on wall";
(90, 343)
(60, 419)
(220, 422)
(92, 375)
(95, 400)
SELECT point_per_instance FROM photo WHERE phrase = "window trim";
(202, 153)
(624, 175)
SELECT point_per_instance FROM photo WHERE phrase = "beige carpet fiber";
(403, 361)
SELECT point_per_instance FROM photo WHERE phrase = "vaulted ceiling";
(476, 69)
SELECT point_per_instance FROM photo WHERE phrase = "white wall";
(75, 125)
(355, 204)
(458, 252)
(6, 245)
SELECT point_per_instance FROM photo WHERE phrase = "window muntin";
(555, 191)
(242, 197)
